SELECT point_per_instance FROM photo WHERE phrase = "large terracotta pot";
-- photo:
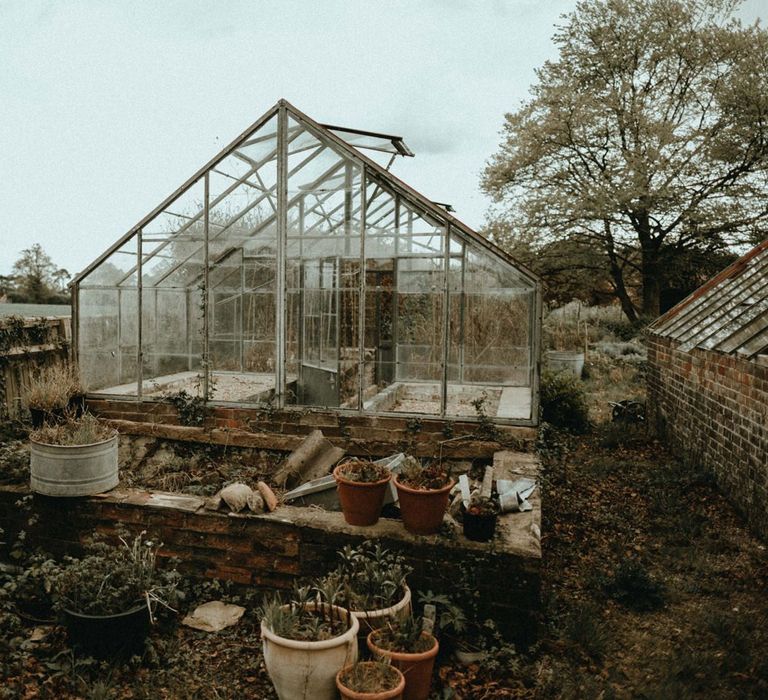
(422, 510)
(360, 501)
(417, 668)
(395, 694)
(307, 670)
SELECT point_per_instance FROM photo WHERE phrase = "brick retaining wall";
(284, 430)
(271, 551)
(713, 409)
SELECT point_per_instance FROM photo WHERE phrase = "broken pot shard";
(214, 616)
(310, 460)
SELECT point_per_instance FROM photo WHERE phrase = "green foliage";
(307, 616)
(404, 635)
(14, 462)
(585, 628)
(632, 586)
(36, 279)
(563, 402)
(192, 409)
(368, 577)
(112, 579)
(486, 429)
(644, 141)
(623, 330)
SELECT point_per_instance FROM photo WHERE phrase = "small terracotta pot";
(422, 510)
(360, 501)
(417, 668)
(395, 694)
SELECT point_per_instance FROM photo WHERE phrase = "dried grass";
(53, 386)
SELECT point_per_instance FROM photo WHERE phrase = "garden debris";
(214, 616)
(313, 458)
(267, 495)
(39, 633)
(322, 491)
(514, 495)
(236, 497)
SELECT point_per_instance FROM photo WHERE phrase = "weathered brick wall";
(713, 409)
(272, 551)
(284, 430)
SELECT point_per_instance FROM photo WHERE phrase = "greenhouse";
(294, 270)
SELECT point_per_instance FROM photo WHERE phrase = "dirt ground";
(652, 588)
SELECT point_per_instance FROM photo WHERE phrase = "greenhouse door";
(318, 381)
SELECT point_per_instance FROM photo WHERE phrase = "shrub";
(563, 402)
(632, 586)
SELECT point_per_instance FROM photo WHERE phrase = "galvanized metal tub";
(73, 470)
(566, 361)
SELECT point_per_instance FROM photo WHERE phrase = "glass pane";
(107, 340)
(490, 340)
(108, 323)
(173, 273)
(118, 269)
(323, 274)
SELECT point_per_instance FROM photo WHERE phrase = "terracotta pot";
(395, 694)
(360, 501)
(306, 670)
(417, 668)
(422, 510)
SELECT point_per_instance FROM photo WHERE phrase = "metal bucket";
(566, 361)
(73, 470)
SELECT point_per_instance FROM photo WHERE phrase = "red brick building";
(708, 381)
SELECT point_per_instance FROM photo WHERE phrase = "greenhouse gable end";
(295, 271)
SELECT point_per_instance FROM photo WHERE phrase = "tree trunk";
(651, 278)
(649, 267)
(617, 275)
(621, 294)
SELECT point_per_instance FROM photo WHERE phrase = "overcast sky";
(107, 106)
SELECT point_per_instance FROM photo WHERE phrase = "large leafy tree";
(37, 279)
(645, 140)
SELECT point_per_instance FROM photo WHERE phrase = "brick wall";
(284, 430)
(713, 409)
(272, 551)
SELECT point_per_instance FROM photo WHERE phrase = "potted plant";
(75, 458)
(463, 617)
(422, 492)
(370, 680)
(108, 597)
(306, 642)
(479, 519)
(406, 645)
(361, 485)
(370, 581)
(54, 393)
